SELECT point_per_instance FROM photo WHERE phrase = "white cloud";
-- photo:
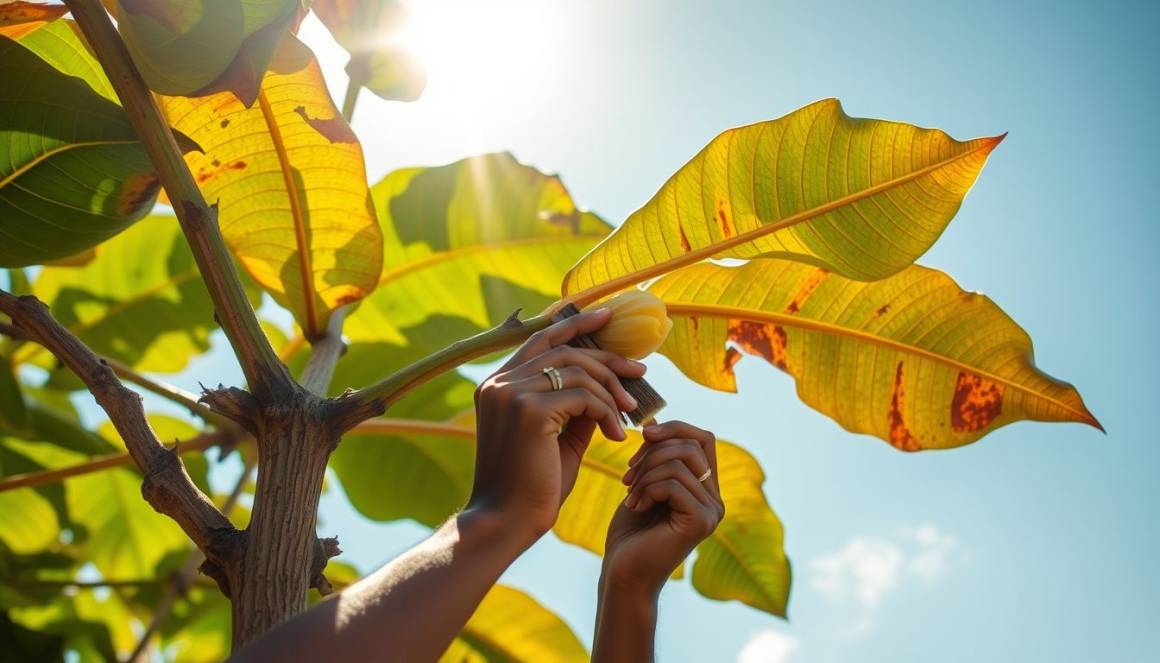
(865, 569)
(868, 569)
(768, 646)
(935, 549)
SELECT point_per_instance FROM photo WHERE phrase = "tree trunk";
(282, 553)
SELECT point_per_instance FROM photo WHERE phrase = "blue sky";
(1032, 545)
(1035, 544)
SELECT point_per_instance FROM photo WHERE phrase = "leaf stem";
(356, 76)
(267, 377)
(513, 331)
(324, 355)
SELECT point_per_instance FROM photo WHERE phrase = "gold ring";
(706, 475)
(554, 377)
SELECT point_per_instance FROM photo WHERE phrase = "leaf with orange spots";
(290, 185)
(20, 18)
(862, 198)
(911, 359)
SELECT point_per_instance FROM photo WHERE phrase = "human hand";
(530, 437)
(668, 510)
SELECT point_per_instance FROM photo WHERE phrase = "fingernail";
(639, 364)
(601, 311)
(630, 501)
(631, 401)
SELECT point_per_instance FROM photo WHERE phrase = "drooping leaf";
(289, 179)
(154, 316)
(201, 47)
(367, 29)
(911, 359)
(744, 560)
(466, 245)
(511, 627)
(863, 198)
(72, 172)
(20, 18)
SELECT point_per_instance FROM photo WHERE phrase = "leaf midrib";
(459, 252)
(789, 320)
(40, 158)
(595, 292)
(296, 214)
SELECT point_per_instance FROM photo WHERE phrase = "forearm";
(626, 621)
(410, 609)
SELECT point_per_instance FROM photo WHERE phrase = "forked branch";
(167, 487)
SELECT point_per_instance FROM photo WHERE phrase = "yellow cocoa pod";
(639, 324)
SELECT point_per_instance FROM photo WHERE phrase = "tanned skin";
(529, 446)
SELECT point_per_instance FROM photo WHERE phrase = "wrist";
(622, 584)
(499, 525)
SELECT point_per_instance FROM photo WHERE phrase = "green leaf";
(433, 473)
(912, 359)
(28, 522)
(154, 316)
(72, 172)
(511, 627)
(863, 198)
(466, 245)
(13, 413)
(200, 47)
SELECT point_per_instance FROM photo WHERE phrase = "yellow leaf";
(864, 198)
(289, 180)
(19, 18)
(511, 627)
(911, 359)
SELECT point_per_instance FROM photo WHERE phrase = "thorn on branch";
(233, 403)
(513, 320)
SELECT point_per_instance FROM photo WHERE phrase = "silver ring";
(554, 377)
(706, 475)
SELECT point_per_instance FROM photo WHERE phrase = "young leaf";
(72, 172)
(911, 359)
(201, 47)
(511, 627)
(289, 180)
(863, 198)
(366, 28)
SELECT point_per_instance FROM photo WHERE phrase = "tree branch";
(167, 487)
(204, 441)
(267, 376)
(395, 386)
(180, 582)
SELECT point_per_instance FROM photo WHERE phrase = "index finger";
(558, 333)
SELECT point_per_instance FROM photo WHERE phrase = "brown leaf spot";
(350, 298)
(732, 356)
(136, 191)
(684, 240)
(977, 402)
(723, 219)
(334, 129)
(883, 310)
(900, 435)
(206, 174)
(225, 123)
(807, 288)
(760, 339)
(237, 165)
